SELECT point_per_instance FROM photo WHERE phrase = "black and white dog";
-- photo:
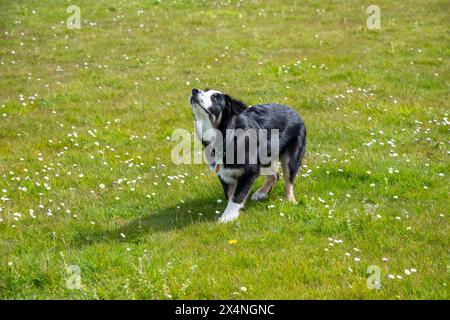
(218, 114)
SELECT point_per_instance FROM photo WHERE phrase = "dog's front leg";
(236, 202)
(228, 188)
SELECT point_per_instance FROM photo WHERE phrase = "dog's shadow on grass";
(148, 222)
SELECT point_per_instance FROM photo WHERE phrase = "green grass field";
(86, 177)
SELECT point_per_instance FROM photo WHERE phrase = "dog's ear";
(234, 105)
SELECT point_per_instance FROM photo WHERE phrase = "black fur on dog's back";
(292, 130)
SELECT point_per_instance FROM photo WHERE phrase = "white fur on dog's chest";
(229, 175)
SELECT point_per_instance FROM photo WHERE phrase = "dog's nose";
(195, 91)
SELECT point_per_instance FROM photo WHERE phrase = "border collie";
(216, 114)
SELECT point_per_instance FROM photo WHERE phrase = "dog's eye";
(215, 97)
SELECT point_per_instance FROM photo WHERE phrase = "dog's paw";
(259, 196)
(231, 212)
(291, 199)
(228, 217)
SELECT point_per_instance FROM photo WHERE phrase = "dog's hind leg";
(271, 179)
(291, 160)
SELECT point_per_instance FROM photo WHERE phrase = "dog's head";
(214, 105)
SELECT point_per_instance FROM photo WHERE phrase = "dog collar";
(217, 168)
